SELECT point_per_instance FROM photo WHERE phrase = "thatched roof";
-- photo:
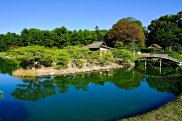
(94, 45)
(104, 46)
(156, 46)
(97, 45)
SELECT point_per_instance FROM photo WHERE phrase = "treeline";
(59, 37)
(127, 33)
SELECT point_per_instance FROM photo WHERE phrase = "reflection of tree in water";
(1, 94)
(123, 79)
(128, 79)
(170, 85)
(155, 70)
(7, 66)
(41, 87)
(36, 89)
(12, 111)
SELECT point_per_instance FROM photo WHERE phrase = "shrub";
(77, 52)
(106, 59)
(175, 55)
(147, 50)
(61, 58)
(179, 69)
(123, 54)
(79, 63)
(37, 56)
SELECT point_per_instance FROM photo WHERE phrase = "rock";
(88, 65)
(52, 73)
(73, 65)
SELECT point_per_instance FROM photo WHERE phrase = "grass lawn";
(169, 112)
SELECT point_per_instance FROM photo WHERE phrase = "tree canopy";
(166, 31)
(59, 37)
(128, 31)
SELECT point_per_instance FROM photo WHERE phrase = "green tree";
(98, 34)
(166, 31)
(59, 37)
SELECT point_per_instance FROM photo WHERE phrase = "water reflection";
(1, 94)
(7, 66)
(33, 89)
(155, 70)
(169, 84)
(13, 111)
(168, 80)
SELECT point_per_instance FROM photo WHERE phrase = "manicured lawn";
(169, 112)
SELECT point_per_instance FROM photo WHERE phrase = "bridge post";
(160, 65)
(145, 64)
(160, 62)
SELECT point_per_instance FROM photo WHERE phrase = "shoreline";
(170, 111)
(49, 71)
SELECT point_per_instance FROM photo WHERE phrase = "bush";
(37, 56)
(106, 59)
(77, 52)
(168, 50)
(79, 55)
(175, 55)
(79, 63)
(179, 69)
(61, 58)
(123, 54)
(147, 50)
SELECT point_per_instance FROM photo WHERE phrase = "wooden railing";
(163, 56)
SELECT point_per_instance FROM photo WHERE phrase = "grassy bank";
(169, 112)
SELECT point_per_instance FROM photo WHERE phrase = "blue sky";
(79, 14)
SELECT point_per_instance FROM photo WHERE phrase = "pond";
(96, 96)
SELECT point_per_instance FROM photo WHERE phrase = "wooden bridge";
(159, 56)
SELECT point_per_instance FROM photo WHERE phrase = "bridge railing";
(159, 55)
(166, 56)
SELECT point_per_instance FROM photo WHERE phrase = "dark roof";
(156, 46)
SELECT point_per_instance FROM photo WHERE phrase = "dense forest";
(59, 37)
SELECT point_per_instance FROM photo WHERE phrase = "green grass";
(169, 112)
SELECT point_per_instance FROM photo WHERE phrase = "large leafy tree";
(128, 31)
(166, 31)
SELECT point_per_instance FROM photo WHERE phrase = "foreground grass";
(169, 112)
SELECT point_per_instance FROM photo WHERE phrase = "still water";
(96, 96)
